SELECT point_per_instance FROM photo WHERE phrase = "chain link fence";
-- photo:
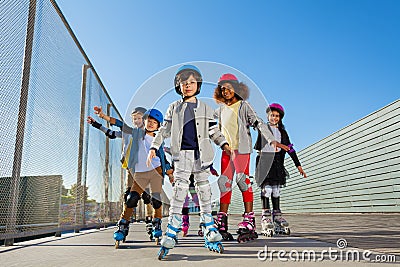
(56, 173)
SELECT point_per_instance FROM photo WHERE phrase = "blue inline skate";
(122, 231)
(169, 239)
(212, 238)
(157, 232)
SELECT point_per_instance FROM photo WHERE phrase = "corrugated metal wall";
(356, 169)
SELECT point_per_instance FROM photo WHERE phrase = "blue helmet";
(155, 114)
(187, 68)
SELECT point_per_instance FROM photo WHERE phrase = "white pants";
(184, 167)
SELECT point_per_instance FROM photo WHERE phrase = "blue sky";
(329, 63)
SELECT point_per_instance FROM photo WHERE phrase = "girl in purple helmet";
(270, 172)
(236, 116)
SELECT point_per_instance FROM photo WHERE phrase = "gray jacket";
(247, 117)
(206, 128)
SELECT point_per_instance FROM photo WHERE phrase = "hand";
(150, 156)
(276, 144)
(214, 171)
(302, 172)
(171, 179)
(228, 150)
(90, 120)
(93, 122)
(98, 110)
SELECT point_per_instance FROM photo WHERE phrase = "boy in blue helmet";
(143, 174)
(190, 125)
(137, 121)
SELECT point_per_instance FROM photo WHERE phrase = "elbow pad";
(95, 124)
(110, 134)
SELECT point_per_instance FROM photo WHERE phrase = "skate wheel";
(116, 244)
(200, 233)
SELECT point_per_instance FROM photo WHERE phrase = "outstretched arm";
(108, 132)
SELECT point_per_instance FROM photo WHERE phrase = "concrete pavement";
(96, 248)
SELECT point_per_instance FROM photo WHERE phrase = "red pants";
(241, 165)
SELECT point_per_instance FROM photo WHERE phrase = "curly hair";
(241, 92)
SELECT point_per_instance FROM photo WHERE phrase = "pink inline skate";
(247, 228)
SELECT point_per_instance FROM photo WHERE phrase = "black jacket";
(271, 170)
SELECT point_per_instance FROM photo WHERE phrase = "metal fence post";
(80, 202)
(107, 175)
(19, 140)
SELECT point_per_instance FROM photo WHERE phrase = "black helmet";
(138, 110)
(189, 68)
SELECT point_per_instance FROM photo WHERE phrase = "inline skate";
(149, 227)
(267, 226)
(222, 225)
(212, 238)
(156, 231)
(281, 225)
(122, 231)
(169, 239)
(185, 225)
(247, 228)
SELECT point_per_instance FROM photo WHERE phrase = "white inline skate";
(281, 225)
(267, 226)
(169, 239)
(212, 238)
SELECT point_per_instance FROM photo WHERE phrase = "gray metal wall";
(356, 169)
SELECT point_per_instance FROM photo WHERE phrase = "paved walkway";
(377, 232)
(96, 247)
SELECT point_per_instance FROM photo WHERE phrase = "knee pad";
(276, 191)
(203, 190)
(224, 184)
(266, 191)
(241, 181)
(156, 201)
(180, 190)
(146, 198)
(132, 199)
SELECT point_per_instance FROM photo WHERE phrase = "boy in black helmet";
(190, 125)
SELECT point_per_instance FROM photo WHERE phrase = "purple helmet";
(276, 107)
